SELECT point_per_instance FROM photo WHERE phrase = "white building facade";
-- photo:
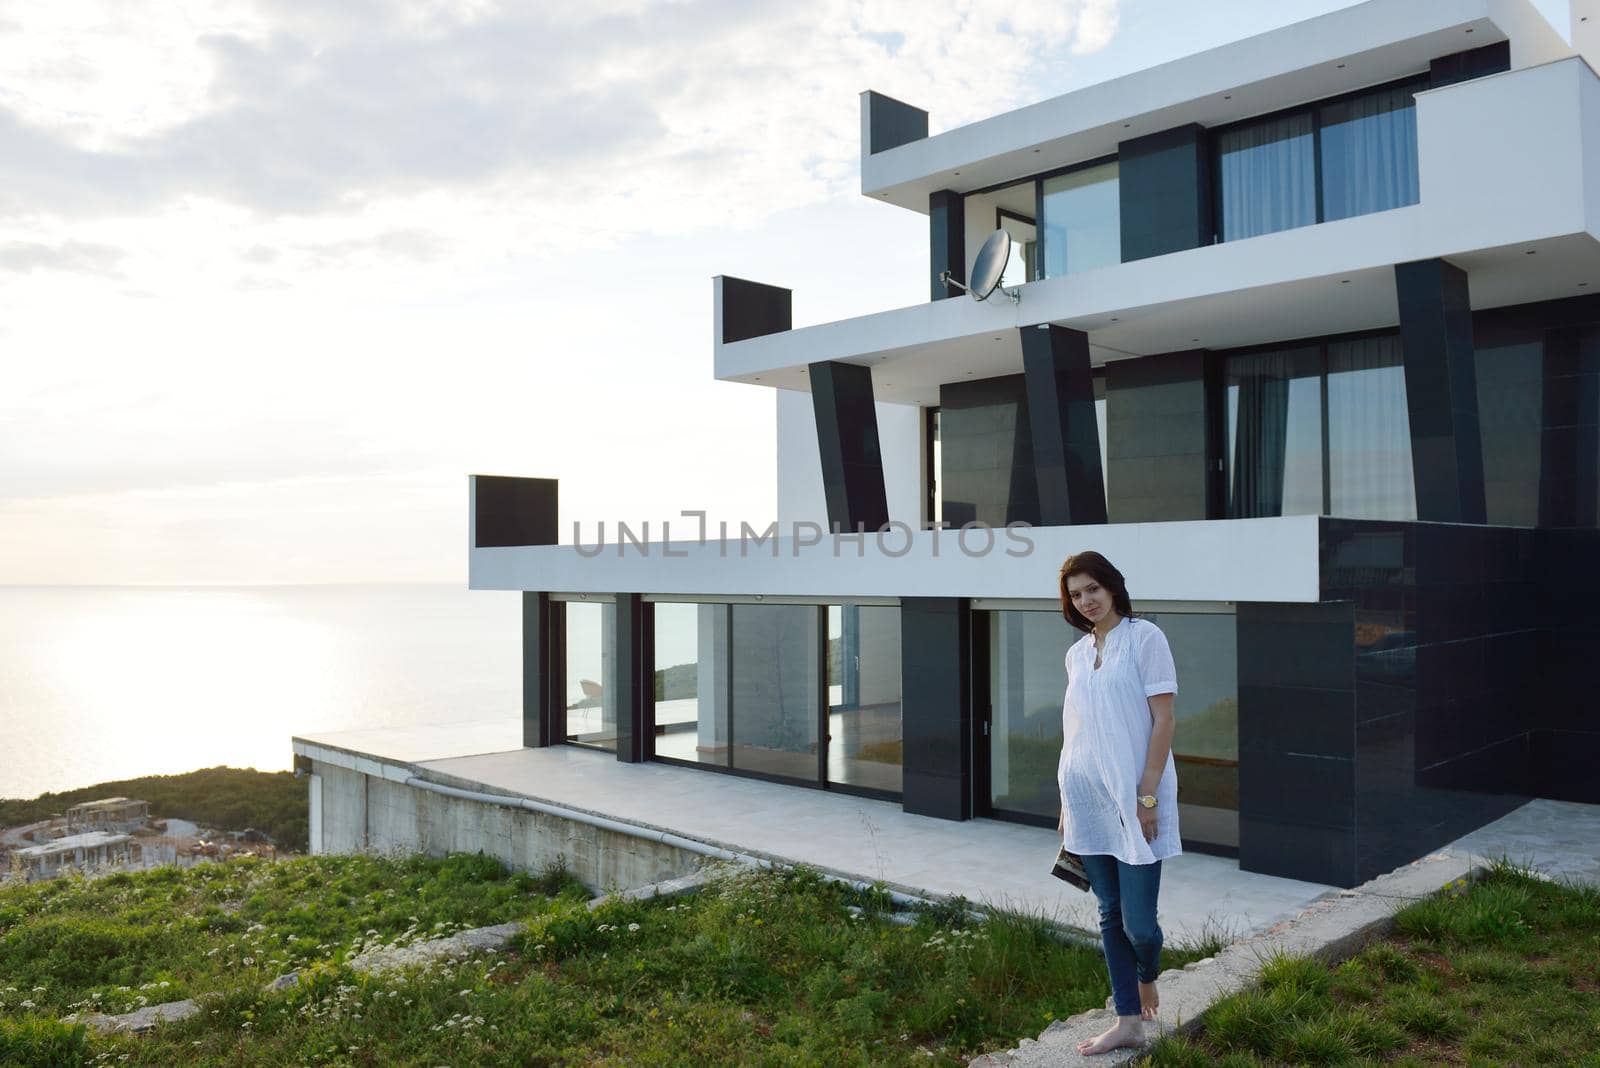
(1305, 339)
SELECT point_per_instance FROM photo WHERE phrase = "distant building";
(108, 814)
(84, 852)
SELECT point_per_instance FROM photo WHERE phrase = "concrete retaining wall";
(364, 812)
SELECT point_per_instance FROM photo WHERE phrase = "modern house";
(1305, 337)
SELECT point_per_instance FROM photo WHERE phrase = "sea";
(100, 683)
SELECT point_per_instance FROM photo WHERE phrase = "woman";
(1119, 792)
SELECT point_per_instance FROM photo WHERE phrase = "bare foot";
(1148, 1001)
(1127, 1031)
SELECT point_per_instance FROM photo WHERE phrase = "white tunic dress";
(1105, 731)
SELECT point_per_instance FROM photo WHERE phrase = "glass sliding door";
(864, 725)
(1027, 682)
(691, 683)
(776, 689)
(1205, 746)
(590, 650)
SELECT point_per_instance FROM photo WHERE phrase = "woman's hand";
(1147, 822)
(1061, 825)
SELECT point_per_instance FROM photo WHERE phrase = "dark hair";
(1098, 568)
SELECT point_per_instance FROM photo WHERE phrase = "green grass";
(230, 799)
(115, 943)
(1504, 971)
(765, 968)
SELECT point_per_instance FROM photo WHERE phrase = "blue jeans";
(1128, 928)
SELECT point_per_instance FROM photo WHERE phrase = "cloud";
(77, 257)
(649, 113)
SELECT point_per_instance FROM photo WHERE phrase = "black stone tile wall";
(1442, 667)
(1297, 767)
(1564, 742)
(1444, 679)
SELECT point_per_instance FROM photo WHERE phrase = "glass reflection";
(1082, 220)
(1205, 747)
(1510, 417)
(1027, 681)
(591, 705)
(1269, 179)
(1369, 153)
(776, 689)
(864, 728)
(1274, 449)
(1369, 431)
(691, 682)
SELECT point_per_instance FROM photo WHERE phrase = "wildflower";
(633, 927)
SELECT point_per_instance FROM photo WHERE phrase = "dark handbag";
(1069, 869)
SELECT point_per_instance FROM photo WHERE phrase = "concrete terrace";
(1003, 864)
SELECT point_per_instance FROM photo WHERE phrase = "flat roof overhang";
(1367, 44)
(913, 351)
(1272, 559)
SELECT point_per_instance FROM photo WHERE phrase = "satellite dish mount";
(987, 267)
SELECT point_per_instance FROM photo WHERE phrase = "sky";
(275, 277)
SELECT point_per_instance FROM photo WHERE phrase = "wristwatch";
(1148, 800)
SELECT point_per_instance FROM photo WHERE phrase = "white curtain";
(1269, 179)
(1369, 153)
(1369, 431)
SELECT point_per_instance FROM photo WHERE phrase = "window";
(1269, 176)
(1082, 220)
(691, 682)
(864, 734)
(1027, 678)
(1350, 156)
(591, 705)
(776, 689)
(1274, 448)
(1369, 431)
(1511, 420)
(1320, 430)
(1369, 153)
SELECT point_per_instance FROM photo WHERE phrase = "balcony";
(1509, 174)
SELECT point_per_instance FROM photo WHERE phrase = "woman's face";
(1092, 600)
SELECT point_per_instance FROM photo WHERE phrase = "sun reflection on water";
(115, 683)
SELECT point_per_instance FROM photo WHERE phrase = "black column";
(1569, 463)
(1441, 391)
(1066, 442)
(633, 670)
(1161, 438)
(1164, 185)
(543, 711)
(935, 682)
(947, 242)
(847, 439)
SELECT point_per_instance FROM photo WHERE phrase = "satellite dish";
(987, 269)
